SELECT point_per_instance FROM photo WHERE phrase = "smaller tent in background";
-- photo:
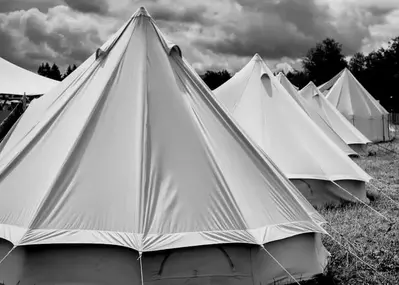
(322, 124)
(352, 136)
(273, 120)
(18, 81)
(358, 106)
(325, 87)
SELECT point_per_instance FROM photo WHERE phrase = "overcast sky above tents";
(212, 33)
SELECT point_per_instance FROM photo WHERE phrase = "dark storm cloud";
(16, 5)
(63, 39)
(30, 37)
(381, 11)
(10, 43)
(284, 28)
(182, 15)
(100, 7)
(7, 49)
(68, 31)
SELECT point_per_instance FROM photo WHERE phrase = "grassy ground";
(363, 232)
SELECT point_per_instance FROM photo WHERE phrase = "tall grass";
(362, 232)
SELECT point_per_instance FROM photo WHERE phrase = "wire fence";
(394, 124)
(394, 118)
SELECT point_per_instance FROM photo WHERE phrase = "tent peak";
(313, 88)
(142, 11)
(168, 45)
(345, 71)
(257, 57)
(311, 83)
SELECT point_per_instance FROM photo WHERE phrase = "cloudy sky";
(213, 34)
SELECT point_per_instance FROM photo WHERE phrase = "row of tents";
(132, 171)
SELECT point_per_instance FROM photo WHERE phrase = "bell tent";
(16, 80)
(282, 129)
(321, 123)
(346, 94)
(144, 178)
(352, 136)
(17, 83)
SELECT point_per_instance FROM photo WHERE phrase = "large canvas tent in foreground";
(358, 106)
(352, 136)
(137, 159)
(320, 121)
(283, 130)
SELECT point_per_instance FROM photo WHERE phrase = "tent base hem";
(323, 193)
(304, 256)
(360, 149)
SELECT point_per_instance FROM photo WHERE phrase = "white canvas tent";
(131, 156)
(352, 136)
(16, 80)
(321, 123)
(358, 106)
(283, 130)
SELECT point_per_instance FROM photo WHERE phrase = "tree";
(55, 72)
(324, 61)
(215, 78)
(69, 70)
(358, 64)
(298, 78)
(44, 69)
(52, 72)
(381, 76)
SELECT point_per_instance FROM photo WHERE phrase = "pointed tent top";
(142, 11)
(301, 97)
(169, 46)
(311, 84)
(331, 115)
(310, 90)
(350, 97)
(257, 57)
(325, 87)
(258, 60)
(344, 72)
(280, 76)
(345, 84)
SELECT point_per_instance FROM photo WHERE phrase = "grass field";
(363, 232)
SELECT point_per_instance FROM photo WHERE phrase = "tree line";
(53, 71)
(377, 71)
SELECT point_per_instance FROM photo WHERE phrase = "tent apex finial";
(142, 11)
